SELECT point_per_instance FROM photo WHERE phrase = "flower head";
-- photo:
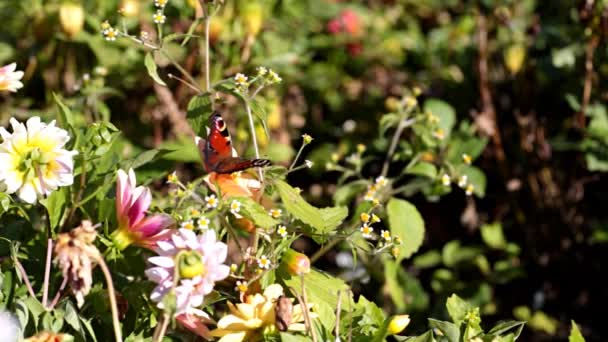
(203, 223)
(370, 195)
(77, 256)
(467, 159)
(200, 263)
(306, 138)
(110, 34)
(282, 231)
(375, 218)
(445, 179)
(188, 224)
(275, 213)
(264, 262)
(366, 231)
(240, 79)
(462, 181)
(386, 235)
(159, 17)
(248, 320)
(172, 178)
(469, 190)
(33, 161)
(273, 77)
(134, 226)
(308, 163)
(211, 202)
(235, 207)
(397, 324)
(9, 78)
(381, 181)
(364, 217)
(439, 134)
(241, 286)
(160, 3)
(262, 71)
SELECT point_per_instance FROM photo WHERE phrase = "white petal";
(162, 261)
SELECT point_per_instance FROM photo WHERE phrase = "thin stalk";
(58, 294)
(207, 50)
(324, 249)
(47, 272)
(181, 69)
(403, 124)
(304, 304)
(112, 295)
(295, 160)
(338, 309)
(254, 138)
(184, 82)
(163, 329)
(24, 276)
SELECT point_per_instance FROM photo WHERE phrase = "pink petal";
(152, 225)
(161, 261)
(142, 198)
(195, 324)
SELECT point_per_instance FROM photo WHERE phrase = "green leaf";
(332, 217)
(476, 177)
(291, 337)
(152, 69)
(199, 110)
(55, 205)
(423, 169)
(327, 316)
(405, 222)
(449, 329)
(493, 236)
(348, 191)
(320, 287)
(444, 111)
(426, 337)
(575, 334)
(502, 327)
(298, 207)
(253, 210)
(457, 308)
(66, 118)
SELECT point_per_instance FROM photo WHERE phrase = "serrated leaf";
(332, 217)
(444, 111)
(405, 222)
(320, 287)
(477, 178)
(199, 110)
(153, 69)
(253, 210)
(505, 326)
(575, 334)
(55, 205)
(298, 207)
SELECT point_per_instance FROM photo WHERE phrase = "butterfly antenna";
(260, 162)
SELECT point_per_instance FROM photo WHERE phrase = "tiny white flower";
(370, 195)
(110, 34)
(264, 262)
(240, 79)
(273, 77)
(188, 224)
(203, 223)
(469, 190)
(10, 326)
(235, 208)
(159, 17)
(445, 179)
(160, 3)
(275, 213)
(308, 163)
(241, 286)
(467, 159)
(381, 181)
(366, 231)
(211, 201)
(262, 71)
(282, 231)
(439, 134)
(462, 181)
(386, 235)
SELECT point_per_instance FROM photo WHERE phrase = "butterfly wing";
(218, 150)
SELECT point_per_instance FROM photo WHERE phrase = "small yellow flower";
(282, 230)
(410, 101)
(434, 119)
(375, 219)
(240, 79)
(439, 134)
(273, 77)
(307, 139)
(467, 159)
(241, 286)
(159, 17)
(364, 217)
(172, 178)
(334, 156)
(417, 91)
(370, 195)
(395, 252)
(187, 225)
(397, 324)
(275, 213)
(264, 262)
(361, 148)
(386, 235)
(445, 179)
(375, 202)
(160, 3)
(233, 268)
(469, 190)
(211, 201)
(203, 223)
(105, 25)
(235, 208)
(397, 240)
(381, 181)
(462, 181)
(366, 231)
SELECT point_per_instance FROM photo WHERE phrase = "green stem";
(295, 160)
(112, 295)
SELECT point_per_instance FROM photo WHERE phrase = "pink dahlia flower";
(200, 263)
(134, 226)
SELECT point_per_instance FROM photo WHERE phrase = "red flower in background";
(348, 23)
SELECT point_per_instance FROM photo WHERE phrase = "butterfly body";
(217, 151)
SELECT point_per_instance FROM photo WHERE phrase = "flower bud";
(295, 263)
(191, 265)
(307, 139)
(71, 17)
(397, 324)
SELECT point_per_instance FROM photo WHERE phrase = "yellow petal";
(297, 327)
(247, 311)
(273, 291)
(234, 337)
(231, 322)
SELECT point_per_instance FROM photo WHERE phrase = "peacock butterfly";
(217, 152)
